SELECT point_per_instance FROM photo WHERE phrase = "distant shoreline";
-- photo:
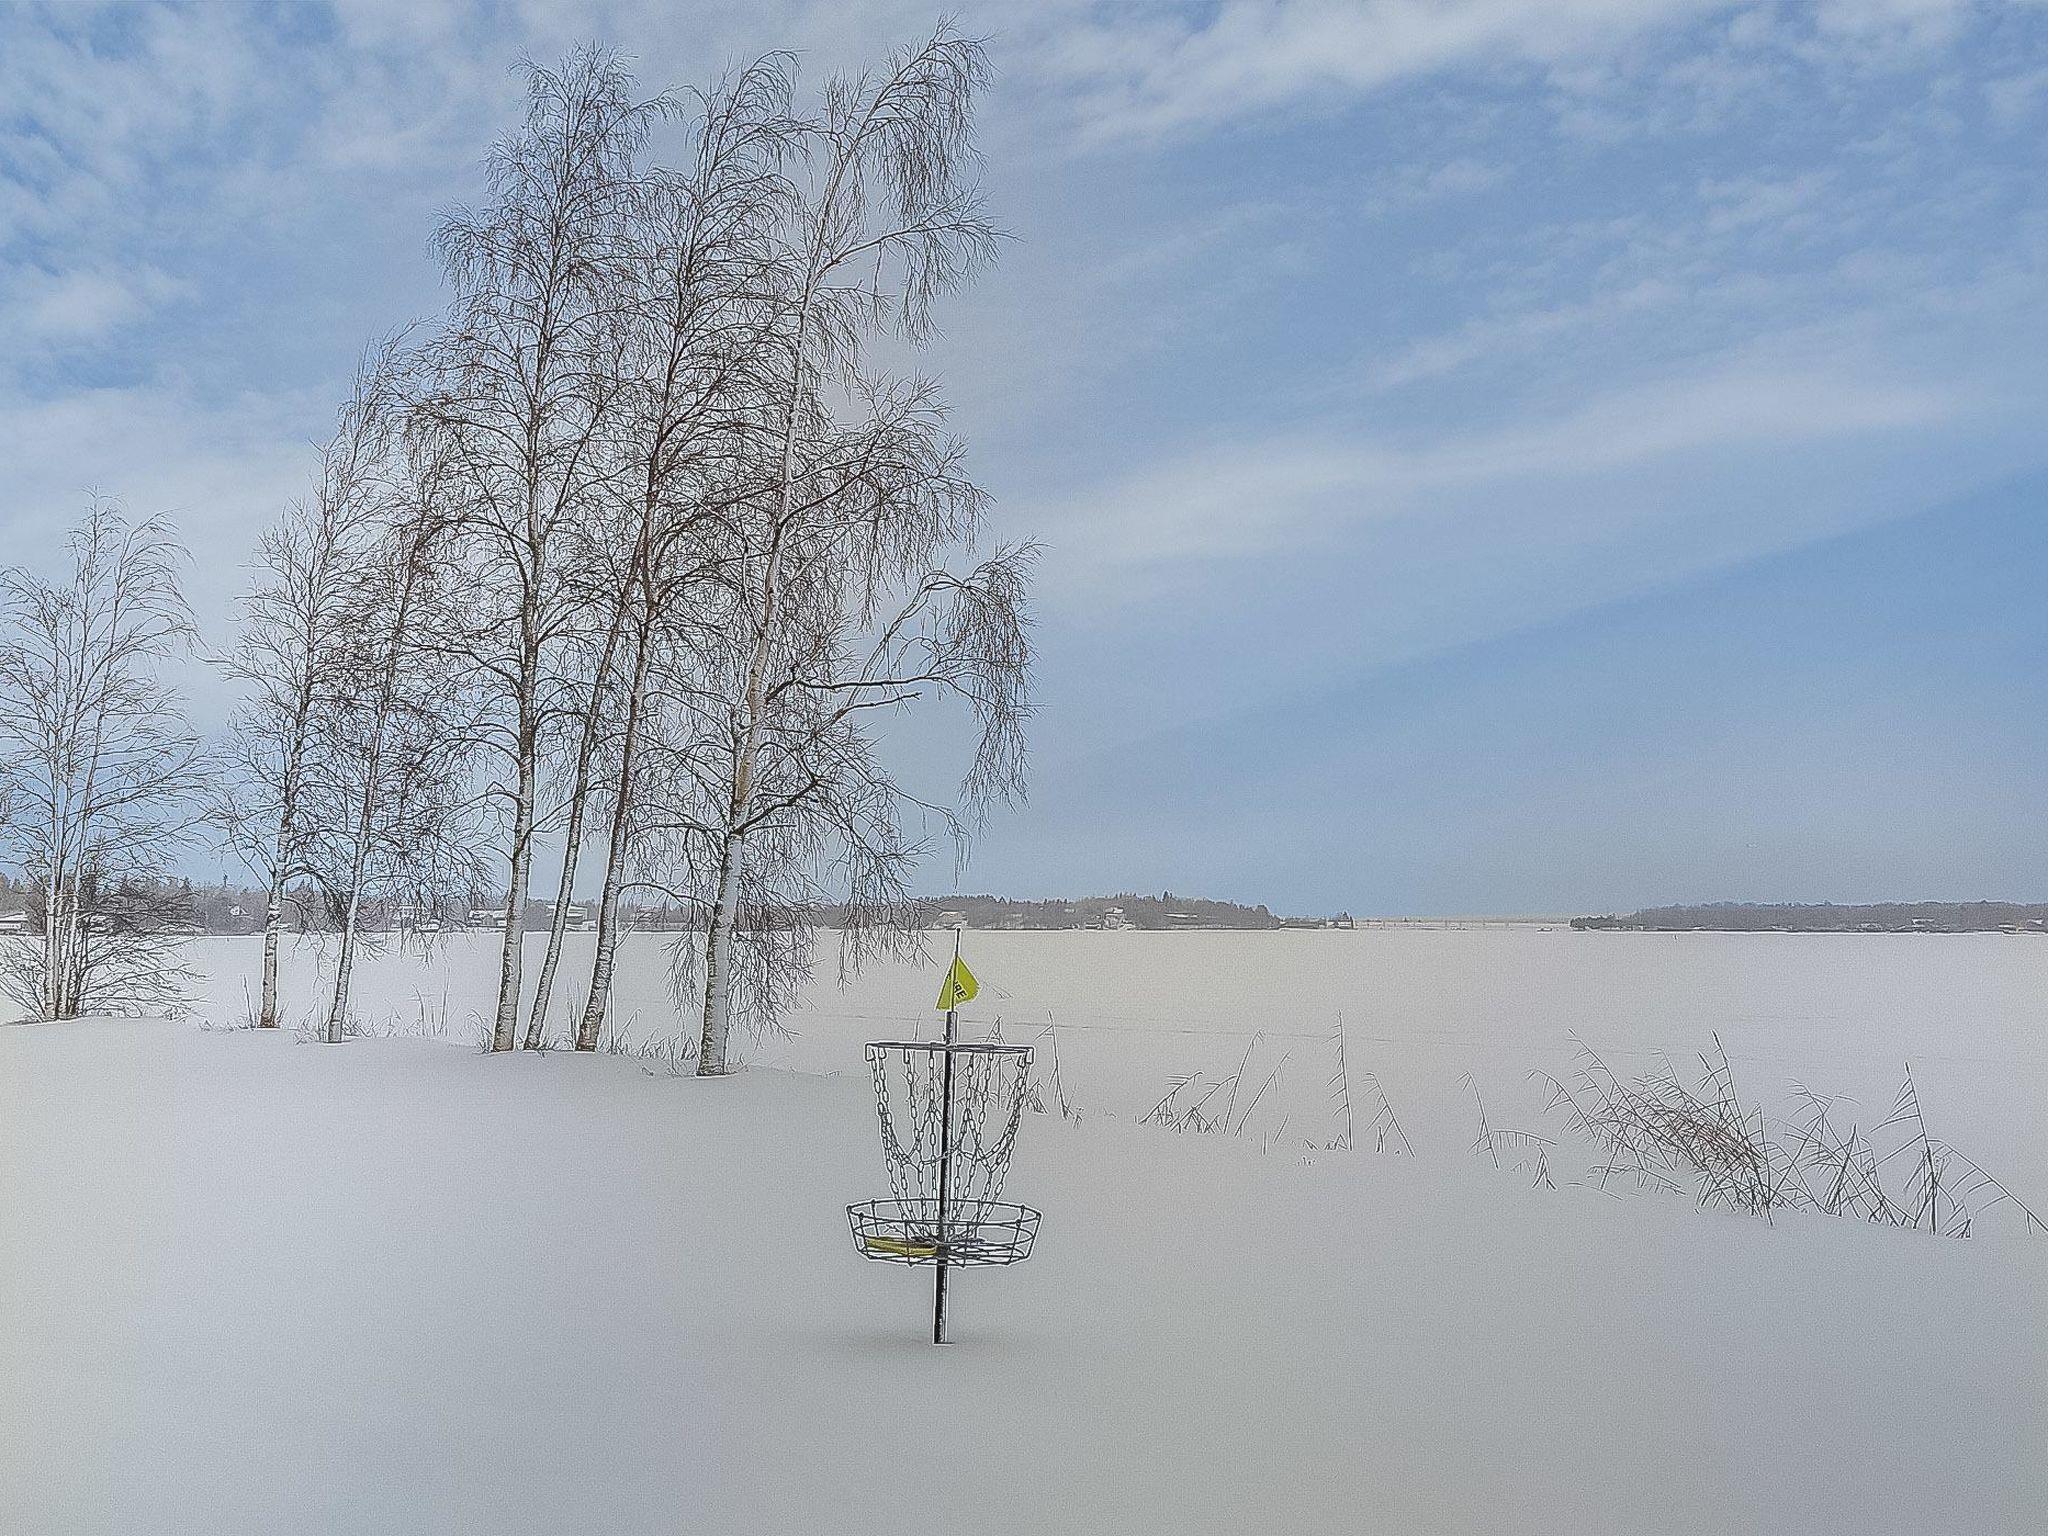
(1826, 917)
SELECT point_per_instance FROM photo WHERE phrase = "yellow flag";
(960, 985)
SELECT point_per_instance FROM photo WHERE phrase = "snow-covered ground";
(253, 1286)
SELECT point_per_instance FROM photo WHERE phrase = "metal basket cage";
(949, 1115)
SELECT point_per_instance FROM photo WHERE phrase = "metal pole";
(945, 1164)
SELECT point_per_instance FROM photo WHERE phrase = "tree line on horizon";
(1827, 917)
(225, 909)
(632, 550)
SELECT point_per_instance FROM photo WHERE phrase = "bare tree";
(519, 398)
(883, 224)
(286, 656)
(393, 776)
(98, 773)
(692, 348)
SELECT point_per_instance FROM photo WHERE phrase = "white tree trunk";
(273, 922)
(359, 863)
(51, 917)
(592, 1025)
(544, 987)
(572, 842)
(345, 966)
(70, 987)
(711, 1056)
(511, 969)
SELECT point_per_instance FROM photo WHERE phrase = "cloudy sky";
(1493, 455)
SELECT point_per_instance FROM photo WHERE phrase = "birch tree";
(394, 765)
(884, 223)
(519, 399)
(99, 775)
(693, 349)
(287, 657)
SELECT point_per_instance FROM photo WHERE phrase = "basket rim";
(890, 1207)
(975, 1047)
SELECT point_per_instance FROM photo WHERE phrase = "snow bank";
(395, 1286)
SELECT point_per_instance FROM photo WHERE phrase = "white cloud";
(1456, 177)
(1840, 247)
(83, 304)
(1492, 338)
(1162, 74)
(1253, 498)
(1157, 71)
(1749, 201)
(2013, 97)
(1902, 25)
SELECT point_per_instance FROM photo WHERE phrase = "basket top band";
(966, 1047)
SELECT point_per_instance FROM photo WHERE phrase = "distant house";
(415, 917)
(486, 917)
(15, 922)
(950, 919)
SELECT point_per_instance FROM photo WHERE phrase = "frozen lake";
(399, 1289)
(252, 1285)
(1419, 1009)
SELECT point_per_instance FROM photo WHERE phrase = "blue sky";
(1493, 454)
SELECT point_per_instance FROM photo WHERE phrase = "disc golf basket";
(950, 1111)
